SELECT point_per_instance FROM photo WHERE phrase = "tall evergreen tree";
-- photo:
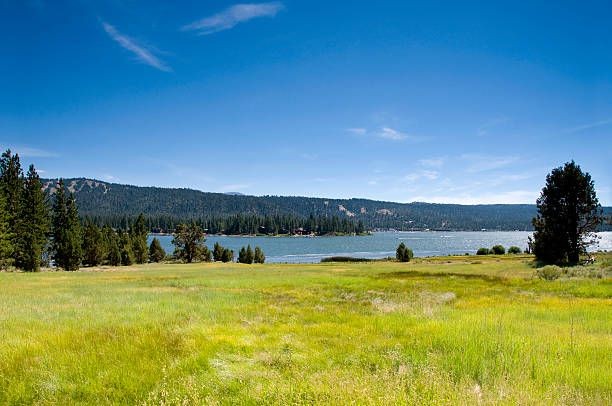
(67, 236)
(228, 255)
(74, 240)
(94, 248)
(125, 247)
(112, 243)
(6, 245)
(242, 255)
(59, 223)
(11, 186)
(568, 215)
(33, 224)
(156, 251)
(217, 252)
(259, 257)
(138, 239)
(249, 254)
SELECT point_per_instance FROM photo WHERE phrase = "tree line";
(243, 224)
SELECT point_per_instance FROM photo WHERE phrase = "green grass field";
(438, 331)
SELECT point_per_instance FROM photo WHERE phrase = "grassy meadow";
(465, 330)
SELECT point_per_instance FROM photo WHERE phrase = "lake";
(377, 245)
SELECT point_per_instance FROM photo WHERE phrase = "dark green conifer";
(11, 186)
(6, 245)
(259, 258)
(217, 252)
(228, 255)
(138, 239)
(33, 224)
(125, 247)
(94, 249)
(242, 255)
(156, 251)
(112, 242)
(249, 255)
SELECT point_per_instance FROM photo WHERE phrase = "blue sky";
(393, 100)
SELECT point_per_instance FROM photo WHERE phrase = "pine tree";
(568, 216)
(94, 250)
(33, 224)
(217, 252)
(259, 258)
(227, 256)
(6, 245)
(138, 239)
(242, 256)
(403, 253)
(156, 252)
(249, 255)
(59, 225)
(74, 236)
(112, 243)
(125, 247)
(11, 186)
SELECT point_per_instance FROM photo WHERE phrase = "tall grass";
(440, 330)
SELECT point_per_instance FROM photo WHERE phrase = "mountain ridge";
(102, 199)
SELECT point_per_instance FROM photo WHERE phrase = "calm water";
(378, 245)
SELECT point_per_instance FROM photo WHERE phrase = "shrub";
(498, 250)
(483, 251)
(259, 257)
(514, 250)
(549, 272)
(344, 259)
(403, 253)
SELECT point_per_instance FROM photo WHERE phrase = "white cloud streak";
(391, 134)
(432, 162)
(232, 16)
(588, 126)
(141, 52)
(357, 131)
(28, 152)
(423, 174)
(483, 163)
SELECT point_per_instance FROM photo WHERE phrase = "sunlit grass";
(439, 330)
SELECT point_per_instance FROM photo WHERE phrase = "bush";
(403, 253)
(549, 272)
(514, 250)
(259, 256)
(498, 250)
(344, 259)
(483, 251)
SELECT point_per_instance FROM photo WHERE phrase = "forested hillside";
(115, 204)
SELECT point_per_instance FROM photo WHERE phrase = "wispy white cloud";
(432, 162)
(386, 133)
(484, 129)
(483, 163)
(422, 174)
(391, 134)
(28, 152)
(588, 126)
(142, 53)
(232, 16)
(109, 178)
(357, 131)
